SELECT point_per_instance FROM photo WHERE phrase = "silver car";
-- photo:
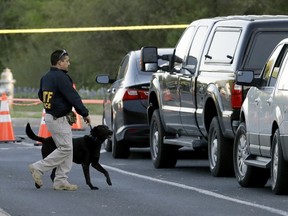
(261, 141)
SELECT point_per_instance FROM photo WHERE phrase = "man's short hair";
(57, 55)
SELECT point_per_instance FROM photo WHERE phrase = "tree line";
(92, 53)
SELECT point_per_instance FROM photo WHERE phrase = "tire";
(279, 167)
(163, 156)
(108, 145)
(107, 142)
(247, 176)
(220, 151)
(119, 148)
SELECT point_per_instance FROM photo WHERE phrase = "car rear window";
(223, 45)
(262, 46)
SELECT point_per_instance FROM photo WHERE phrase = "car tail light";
(135, 94)
(236, 97)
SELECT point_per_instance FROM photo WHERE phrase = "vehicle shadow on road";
(192, 160)
(144, 153)
(140, 153)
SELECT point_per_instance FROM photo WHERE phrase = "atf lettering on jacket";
(47, 99)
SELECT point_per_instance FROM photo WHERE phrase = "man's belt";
(70, 116)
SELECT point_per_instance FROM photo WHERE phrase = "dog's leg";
(98, 167)
(52, 175)
(87, 176)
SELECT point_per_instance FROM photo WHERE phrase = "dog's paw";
(94, 188)
(108, 180)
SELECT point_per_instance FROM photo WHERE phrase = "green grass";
(35, 111)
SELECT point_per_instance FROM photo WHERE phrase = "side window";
(260, 47)
(183, 45)
(123, 67)
(223, 45)
(283, 84)
(198, 41)
(273, 77)
(271, 68)
(278, 65)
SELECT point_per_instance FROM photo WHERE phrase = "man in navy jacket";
(58, 96)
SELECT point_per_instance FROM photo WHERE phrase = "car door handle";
(257, 100)
(269, 101)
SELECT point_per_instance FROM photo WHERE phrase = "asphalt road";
(138, 188)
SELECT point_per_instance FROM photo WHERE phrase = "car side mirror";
(191, 64)
(244, 77)
(103, 79)
(149, 59)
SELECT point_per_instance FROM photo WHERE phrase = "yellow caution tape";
(91, 29)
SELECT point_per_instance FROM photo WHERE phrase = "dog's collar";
(94, 138)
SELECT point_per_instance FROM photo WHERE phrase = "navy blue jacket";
(58, 94)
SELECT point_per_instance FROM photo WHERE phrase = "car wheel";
(279, 167)
(107, 142)
(163, 156)
(119, 148)
(219, 151)
(108, 145)
(247, 176)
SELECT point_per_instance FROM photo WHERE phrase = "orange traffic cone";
(78, 124)
(6, 129)
(43, 130)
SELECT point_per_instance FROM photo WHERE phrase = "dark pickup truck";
(194, 101)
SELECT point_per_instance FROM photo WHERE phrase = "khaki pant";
(61, 158)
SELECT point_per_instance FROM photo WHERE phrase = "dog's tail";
(32, 135)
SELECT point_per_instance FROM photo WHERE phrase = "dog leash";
(90, 126)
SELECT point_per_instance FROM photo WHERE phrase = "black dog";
(86, 150)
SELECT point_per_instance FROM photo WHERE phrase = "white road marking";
(3, 213)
